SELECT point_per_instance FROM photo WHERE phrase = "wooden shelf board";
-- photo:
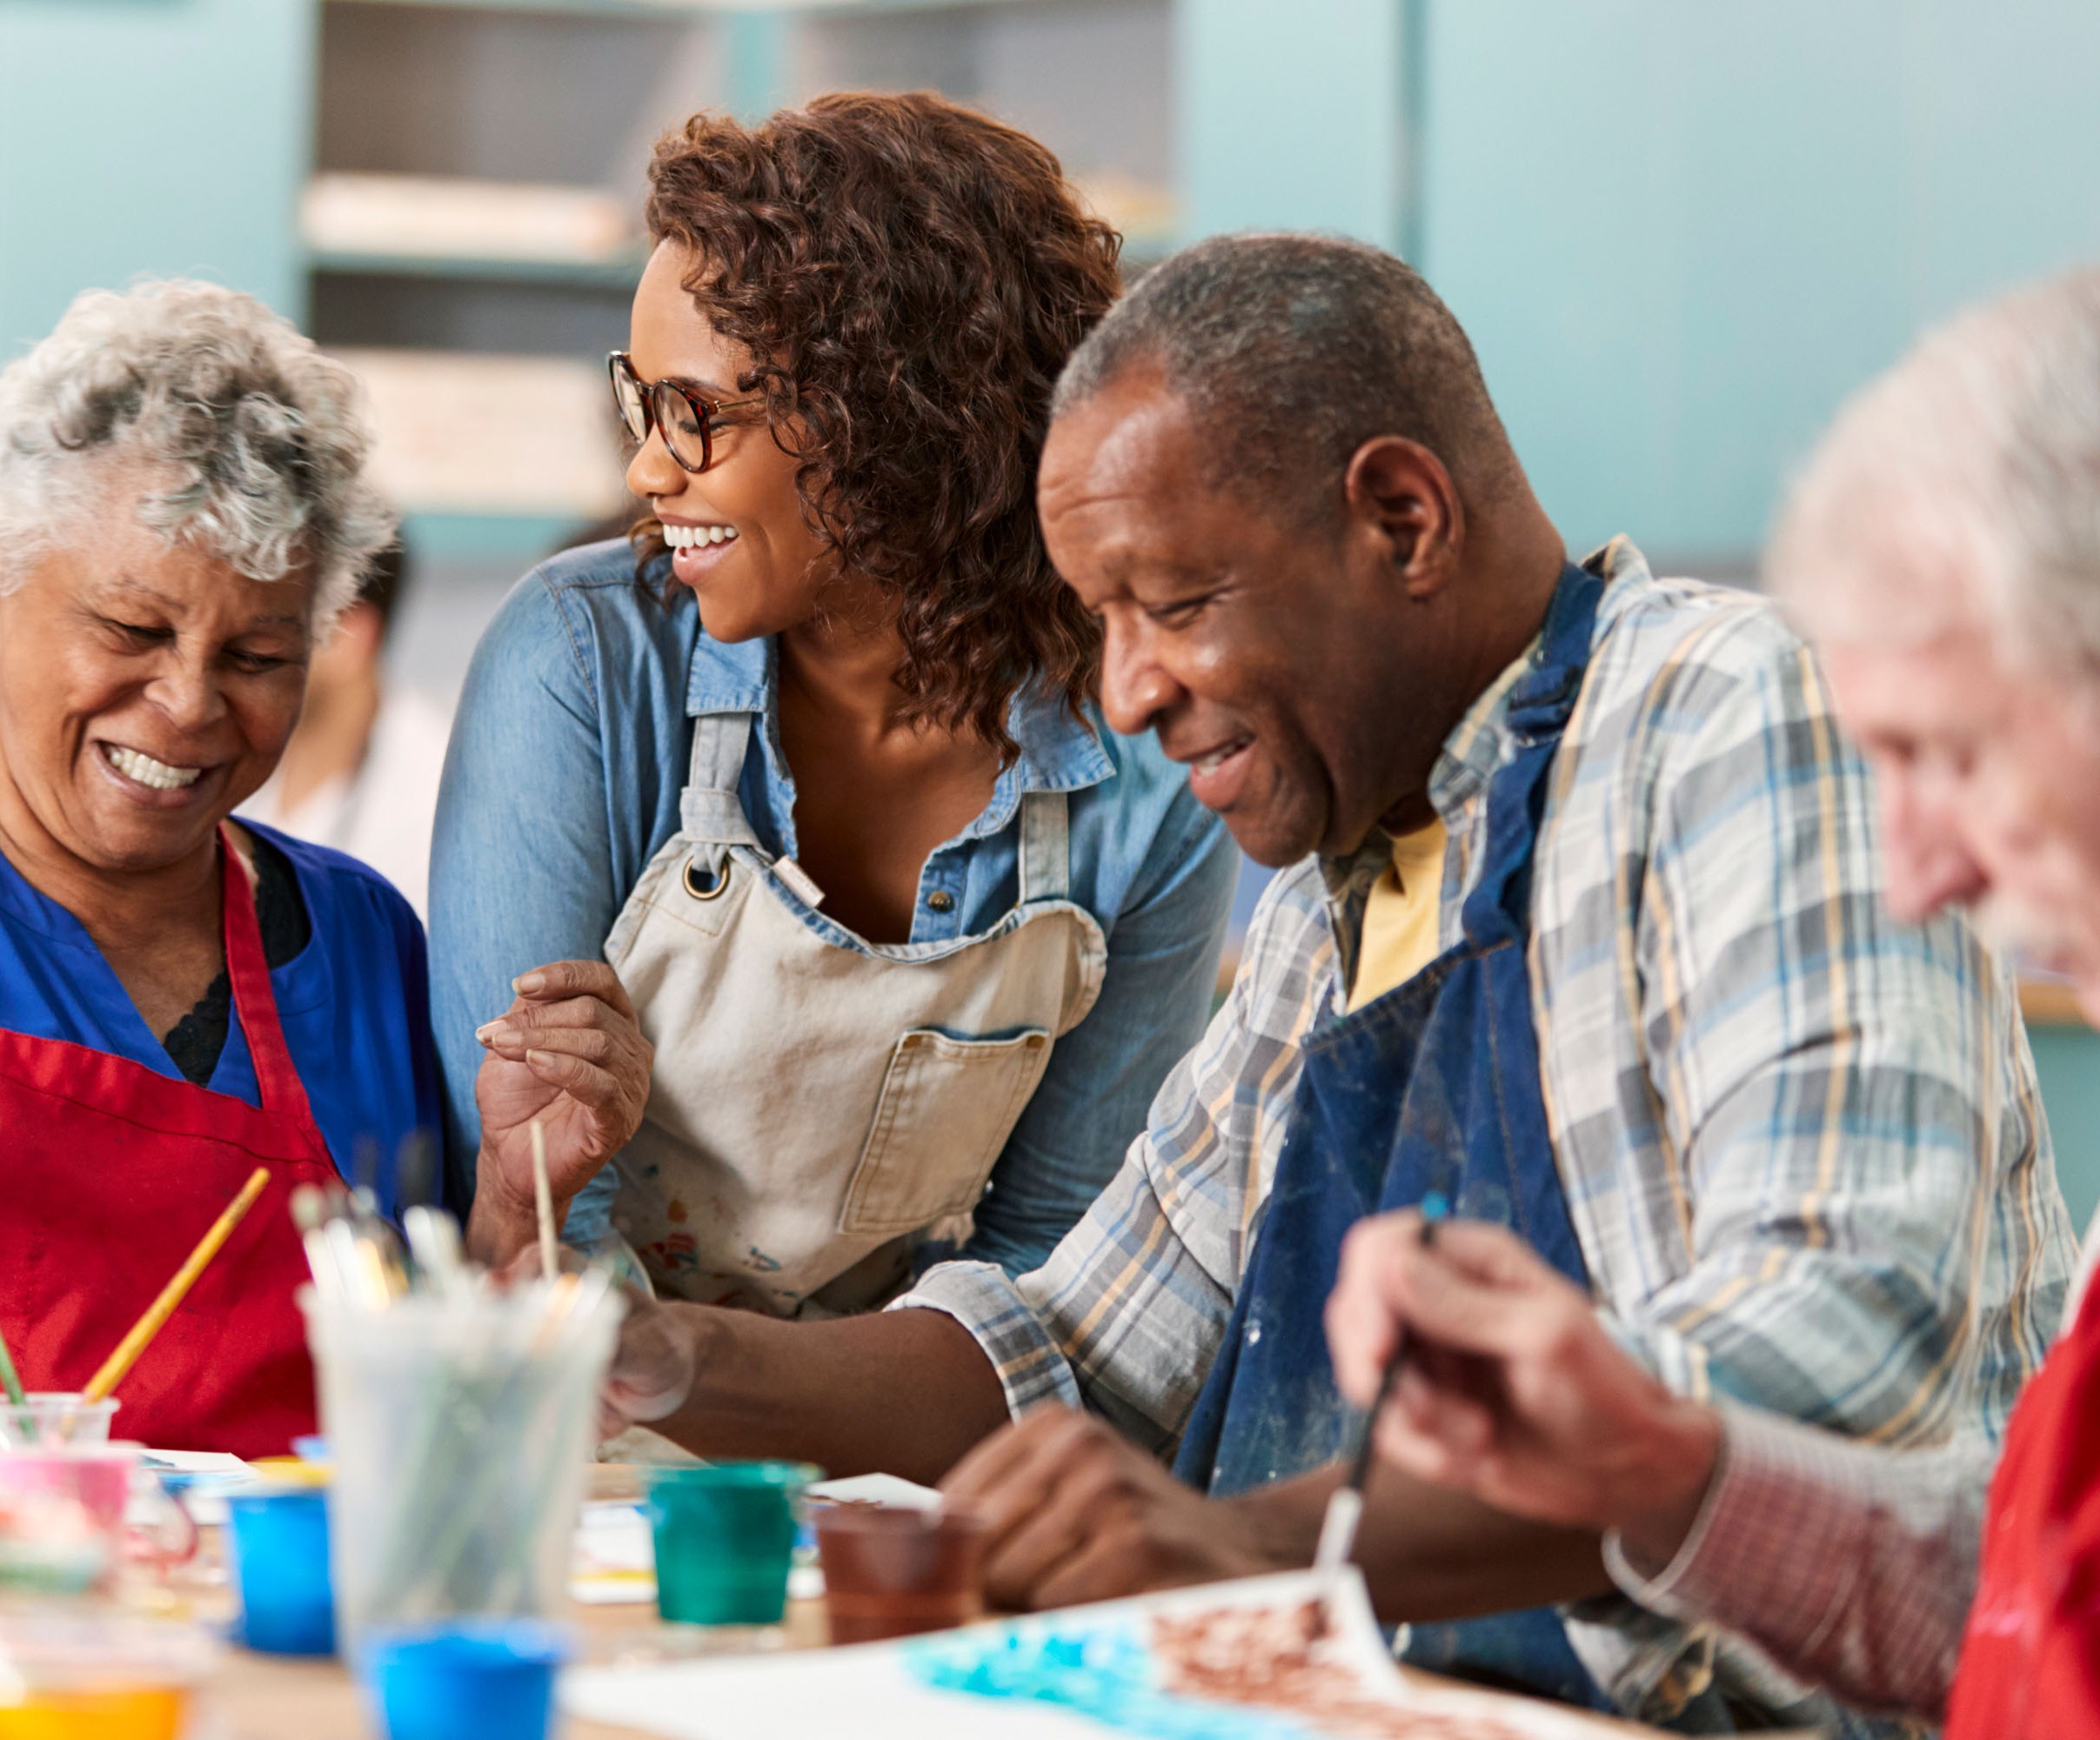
(618, 274)
(2048, 1002)
(675, 9)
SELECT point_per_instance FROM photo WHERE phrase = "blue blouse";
(567, 757)
(354, 1005)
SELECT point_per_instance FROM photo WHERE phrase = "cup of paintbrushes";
(459, 1430)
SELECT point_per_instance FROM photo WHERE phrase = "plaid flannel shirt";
(1802, 1142)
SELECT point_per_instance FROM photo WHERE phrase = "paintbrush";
(8, 1378)
(542, 1204)
(1345, 1503)
(161, 1309)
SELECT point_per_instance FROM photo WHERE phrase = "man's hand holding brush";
(1512, 1390)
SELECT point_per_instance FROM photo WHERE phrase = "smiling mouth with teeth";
(696, 537)
(1218, 757)
(144, 770)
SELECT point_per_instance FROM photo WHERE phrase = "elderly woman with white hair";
(183, 511)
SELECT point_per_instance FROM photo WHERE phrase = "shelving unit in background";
(409, 252)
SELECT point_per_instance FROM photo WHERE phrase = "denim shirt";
(563, 779)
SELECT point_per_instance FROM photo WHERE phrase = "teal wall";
(1296, 116)
(1679, 233)
(150, 136)
(2067, 1059)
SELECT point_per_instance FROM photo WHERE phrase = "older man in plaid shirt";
(1790, 1145)
(1945, 547)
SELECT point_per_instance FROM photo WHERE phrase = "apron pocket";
(947, 1107)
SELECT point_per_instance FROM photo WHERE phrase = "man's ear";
(1398, 494)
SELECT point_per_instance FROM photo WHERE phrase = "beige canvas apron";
(819, 1101)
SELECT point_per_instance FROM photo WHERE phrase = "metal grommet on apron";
(821, 1102)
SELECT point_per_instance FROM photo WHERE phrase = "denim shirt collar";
(1061, 750)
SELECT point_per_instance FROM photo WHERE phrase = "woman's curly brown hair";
(909, 276)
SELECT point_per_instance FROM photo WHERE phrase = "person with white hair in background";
(1943, 550)
(183, 999)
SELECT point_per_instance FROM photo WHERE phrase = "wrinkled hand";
(1511, 1388)
(1077, 1513)
(567, 1052)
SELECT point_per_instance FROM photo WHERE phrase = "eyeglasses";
(685, 418)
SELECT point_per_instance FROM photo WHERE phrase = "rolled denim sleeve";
(521, 861)
(1154, 1003)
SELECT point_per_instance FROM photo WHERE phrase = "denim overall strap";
(1433, 1085)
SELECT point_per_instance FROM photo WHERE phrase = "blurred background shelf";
(616, 275)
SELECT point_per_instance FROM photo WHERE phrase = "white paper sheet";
(878, 1488)
(873, 1691)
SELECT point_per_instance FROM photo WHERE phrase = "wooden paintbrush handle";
(162, 1308)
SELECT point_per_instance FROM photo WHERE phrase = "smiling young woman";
(816, 762)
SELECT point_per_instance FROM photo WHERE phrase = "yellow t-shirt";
(1400, 917)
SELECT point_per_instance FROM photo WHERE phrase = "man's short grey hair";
(252, 444)
(1291, 352)
(1966, 477)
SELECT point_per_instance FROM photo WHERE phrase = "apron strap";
(254, 1002)
(710, 808)
(1540, 703)
(1046, 846)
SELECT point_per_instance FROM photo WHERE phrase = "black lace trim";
(195, 1042)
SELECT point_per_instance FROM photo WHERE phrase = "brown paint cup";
(889, 1572)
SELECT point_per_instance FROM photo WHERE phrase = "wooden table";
(279, 1698)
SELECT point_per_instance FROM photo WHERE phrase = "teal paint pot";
(725, 1539)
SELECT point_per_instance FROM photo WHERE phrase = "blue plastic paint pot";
(279, 1546)
(490, 1678)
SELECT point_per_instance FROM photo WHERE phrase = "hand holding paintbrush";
(1345, 1506)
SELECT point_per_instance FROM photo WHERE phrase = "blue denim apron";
(1433, 1086)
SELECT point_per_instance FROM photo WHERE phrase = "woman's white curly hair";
(253, 444)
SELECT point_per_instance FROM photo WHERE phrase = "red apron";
(111, 1173)
(2030, 1661)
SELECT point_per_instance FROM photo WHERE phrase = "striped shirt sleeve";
(1849, 1566)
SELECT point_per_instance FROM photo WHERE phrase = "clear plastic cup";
(72, 1672)
(73, 1516)
(460, 1431)
(47, 1417)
